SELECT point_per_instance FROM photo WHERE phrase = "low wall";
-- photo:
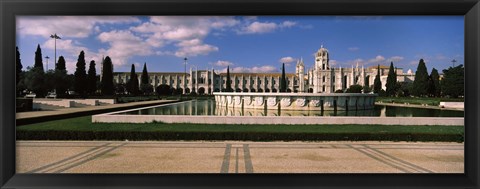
(60, 103)
(89, 102)
(107, 118)
(107, 101)
(296, 101)
(455, 105)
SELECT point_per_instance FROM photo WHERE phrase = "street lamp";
(55, 37)
(47, 61)
(185, 76)
(453, 62)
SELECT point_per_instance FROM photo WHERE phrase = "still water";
(207, 107)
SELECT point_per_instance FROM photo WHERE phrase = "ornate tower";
(321, 59)
(300, 71)
(320, 73)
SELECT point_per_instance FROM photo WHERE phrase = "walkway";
(238, 157)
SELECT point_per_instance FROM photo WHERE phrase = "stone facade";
(321, 78)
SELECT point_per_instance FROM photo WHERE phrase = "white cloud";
(288, 24)
(66, 26)
(189, 51)
(223, 63)
(378, 59)
(258, 27)
(123, 45)
(395, 59)
(353, 48)
(287, 60)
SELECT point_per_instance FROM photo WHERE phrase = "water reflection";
(207, 107)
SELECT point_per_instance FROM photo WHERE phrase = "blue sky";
(245, 43)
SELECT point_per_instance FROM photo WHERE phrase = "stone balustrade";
(297, 101)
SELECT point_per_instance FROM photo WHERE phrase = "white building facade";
(320, 78)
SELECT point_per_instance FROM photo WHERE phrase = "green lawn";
(418, 100)
(81, 128)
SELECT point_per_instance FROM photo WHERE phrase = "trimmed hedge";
(245, 136)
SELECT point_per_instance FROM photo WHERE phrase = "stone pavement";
(238, 157)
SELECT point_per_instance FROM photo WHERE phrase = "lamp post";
(47, 61)
(185, 75)
(453, 62)
(55, 37)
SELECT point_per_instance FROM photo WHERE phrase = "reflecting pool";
(207, 107)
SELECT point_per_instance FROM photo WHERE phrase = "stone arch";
(187, 90)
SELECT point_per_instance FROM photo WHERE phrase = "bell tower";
(321, 59)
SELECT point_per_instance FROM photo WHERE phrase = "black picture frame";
(10, 8)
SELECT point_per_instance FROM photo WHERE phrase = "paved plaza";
(238, 157)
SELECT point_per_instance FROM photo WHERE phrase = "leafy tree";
(19, 66)
(50, 80)
(229, 81)
(366, 89)
(92, 78)
(120, 88)
(38, 59)
(163, 90)
(35, 81)
(145, 85)
(420, 84)
(391, 81)
(339, 91)
(80, 75)
(133, 82)
(453, 81)
(60, 77)
(19, 73)
(355, 89)
(377, 83)
(107, 77)
(434, 88)
(283, 81)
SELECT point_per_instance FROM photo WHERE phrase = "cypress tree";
(144, 77)
(61, 85)
(107, 77)
(420, 84)
(80, 75)
(229, 82)
(38, 59)
(19, 66)
(434, 84)
(377, 83)
(133, 82)
(283, 81)
(92, 78)
(60, 65)
(391, 81)
(145, 85)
